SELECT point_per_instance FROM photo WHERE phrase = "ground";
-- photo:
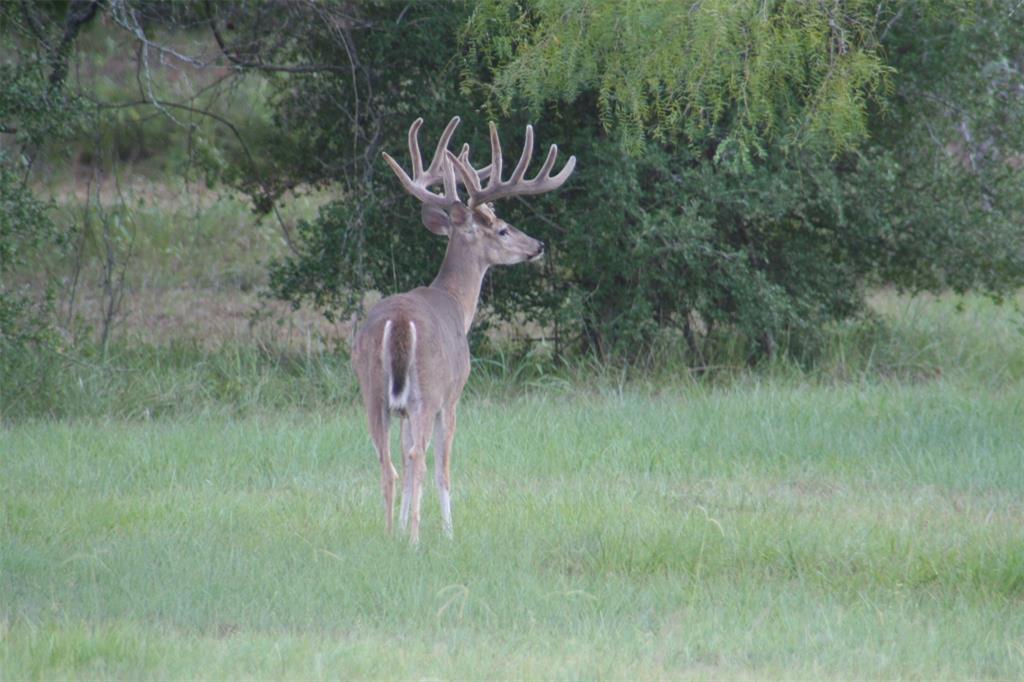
(771, 528)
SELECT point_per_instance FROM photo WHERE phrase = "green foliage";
(33, 113)
(967, 341)
(342, 254)
(744, 71)
(749, 200)
(330, 130)
(30, 114)
(672, 244)
(747, 171)
(25, 227)
(952, 146)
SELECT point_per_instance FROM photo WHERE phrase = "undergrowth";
(968, 340)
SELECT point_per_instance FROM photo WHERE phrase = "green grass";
(188, 510)
(968, 341)
(174, 234)
(137, 381)
(178, 511)
(768, 528)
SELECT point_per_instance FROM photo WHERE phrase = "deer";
(411, 353)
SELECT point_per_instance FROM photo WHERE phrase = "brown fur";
(401, 354)
(426, 366)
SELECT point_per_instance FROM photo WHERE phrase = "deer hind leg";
(379, 422)
(444, 434)
(419, 438)
(407, 469)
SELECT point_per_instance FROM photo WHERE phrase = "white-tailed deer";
(411, 354)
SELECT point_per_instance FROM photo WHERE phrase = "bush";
(765, 218)
(746, 170)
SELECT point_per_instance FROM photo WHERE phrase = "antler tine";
(495, 180)
(497, 188)
(442, 146)
(440, 169)
(407, 182)
(451, 189)
(414, 148)
(524, 158)
(549, 161)
(563, 174)
(469, 177)
(482, 173)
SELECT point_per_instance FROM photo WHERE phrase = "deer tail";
(398, 349)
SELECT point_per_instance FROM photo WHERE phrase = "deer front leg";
(444, 434)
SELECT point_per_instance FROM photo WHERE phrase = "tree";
(702, 202)
(716, 71)
(952, 145)
(747, 169)
(34, 111)
(789, 154)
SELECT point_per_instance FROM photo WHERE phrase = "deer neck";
(461, 276)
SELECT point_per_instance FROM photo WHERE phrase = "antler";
(496, 187)
(440, 169)
(481, 173)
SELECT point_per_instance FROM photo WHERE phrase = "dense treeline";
(746, 169)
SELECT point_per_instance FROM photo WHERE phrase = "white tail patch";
(399, 378)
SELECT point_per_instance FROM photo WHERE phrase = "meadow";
(187, 486)
(864, 519)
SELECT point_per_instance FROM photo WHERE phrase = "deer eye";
(503, 232)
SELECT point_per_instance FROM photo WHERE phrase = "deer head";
(474, 223)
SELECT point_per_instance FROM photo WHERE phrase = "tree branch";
(892, 22)
(80, 12)
(260, 65)
(28, 10)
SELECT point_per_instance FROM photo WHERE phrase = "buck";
(412, 354)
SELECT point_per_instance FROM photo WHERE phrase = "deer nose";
(539, 253)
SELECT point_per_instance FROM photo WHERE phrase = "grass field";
(200, 501)
(198, 498)
(767, 528)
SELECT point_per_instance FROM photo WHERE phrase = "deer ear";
(436, 220)
(460, 214)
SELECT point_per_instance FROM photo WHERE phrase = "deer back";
(440, 361)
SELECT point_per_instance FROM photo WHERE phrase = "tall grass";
(767, 529)
(215, 513)
(969, 341)
(140, 381)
